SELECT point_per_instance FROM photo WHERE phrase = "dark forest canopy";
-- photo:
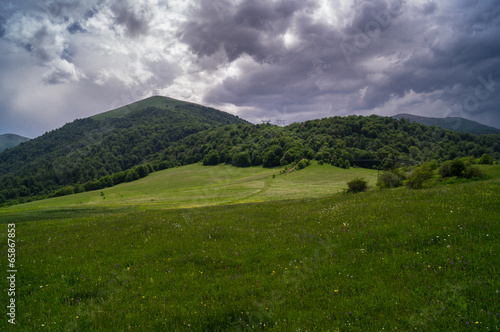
(90, 154)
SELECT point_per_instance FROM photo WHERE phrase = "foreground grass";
(392, 259)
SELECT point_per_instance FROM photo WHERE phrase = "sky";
(292, 60)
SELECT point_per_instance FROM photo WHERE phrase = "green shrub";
(457, 167)
(303, 163)
(132, 175)
(79, 189)
(433, 165)
(485, 159)
(418, 176)
(68, 190)
(212, 158)
(142, 170)
(357, 185)
(472, 172)
(340, 162)
(242, 159)
(445, 169)
(389, 180)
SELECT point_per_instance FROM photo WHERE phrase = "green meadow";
(246, 249)
(197, 185)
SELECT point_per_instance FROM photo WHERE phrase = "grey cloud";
(373, 15)
(2, 28)
(61, 7)
(429, 8)
(252, 28)
(40, 44)
(44, 31)
(75, 28)
(35, 33)
(135, 23)
(441, 67)
(61, 74)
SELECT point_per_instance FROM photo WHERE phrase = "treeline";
(341, 141)
(93, 154)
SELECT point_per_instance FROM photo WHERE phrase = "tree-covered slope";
(362, 141)
(8, 141)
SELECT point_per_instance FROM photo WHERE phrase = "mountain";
(130, 142)
(108, 143)
(452, 123)
(11, 140)
(160, 102)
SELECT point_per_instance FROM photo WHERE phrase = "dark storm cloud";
(421, 49)
(135, 23)
(446, 62)
(250, 28)
(290, 77)
(374, 16)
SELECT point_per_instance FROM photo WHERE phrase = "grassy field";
(197, 185)
(396, 259)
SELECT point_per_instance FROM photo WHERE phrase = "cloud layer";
(289, 60)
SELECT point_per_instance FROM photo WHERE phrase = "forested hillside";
(88, 149)
(358, 141)
(94, 153)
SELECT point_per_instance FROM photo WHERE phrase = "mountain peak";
(154, 101)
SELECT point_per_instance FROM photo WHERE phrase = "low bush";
(457, 167)
(418, 176)
(357, 185)
(303, 163)
(389, 180)
(472, 172)
(485, 159)
(445, 169)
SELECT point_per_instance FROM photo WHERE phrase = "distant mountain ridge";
(453, 123)
(8, 141)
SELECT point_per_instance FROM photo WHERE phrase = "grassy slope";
(155, 101)
(196, 185)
